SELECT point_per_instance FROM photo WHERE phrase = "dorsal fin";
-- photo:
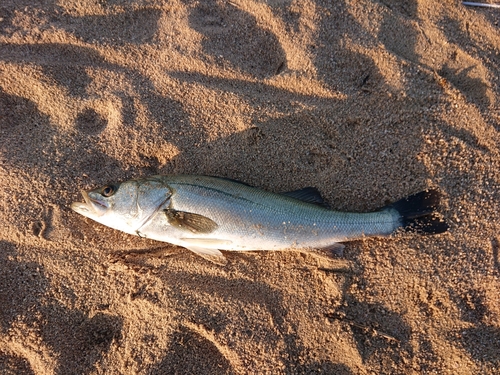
(232, 180)
(308, 194)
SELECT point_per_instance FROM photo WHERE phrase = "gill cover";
(125, 206)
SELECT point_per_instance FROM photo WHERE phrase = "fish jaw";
(93, 207)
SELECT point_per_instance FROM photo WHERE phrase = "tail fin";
(418, 213)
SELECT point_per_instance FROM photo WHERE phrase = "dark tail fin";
(418, 213)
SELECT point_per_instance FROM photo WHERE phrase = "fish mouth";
(91, 207)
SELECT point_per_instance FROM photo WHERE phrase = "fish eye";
(108, 191)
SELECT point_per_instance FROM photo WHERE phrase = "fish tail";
(418, 213)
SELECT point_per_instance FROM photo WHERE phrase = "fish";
(208, 214)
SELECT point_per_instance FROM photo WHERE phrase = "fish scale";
(311, 225)
(208, 214)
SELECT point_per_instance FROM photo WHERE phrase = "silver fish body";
(207, 214)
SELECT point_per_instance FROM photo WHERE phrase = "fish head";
(125, 206)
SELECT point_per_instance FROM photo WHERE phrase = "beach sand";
(369, 101)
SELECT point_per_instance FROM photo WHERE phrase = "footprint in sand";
(472, 81)
(68, 339)
(11, 364)
(90, 122)
(402, 33)
(261, 55)
(74, 78)
(194, 350)
(135, 27)
(482, 342)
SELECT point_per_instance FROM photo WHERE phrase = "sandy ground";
(367, 100)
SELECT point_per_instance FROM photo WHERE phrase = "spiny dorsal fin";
(308, 194)
(193, 222)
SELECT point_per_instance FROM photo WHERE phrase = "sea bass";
(208, 214)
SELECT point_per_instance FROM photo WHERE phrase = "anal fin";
(212, 255)
(210, 243)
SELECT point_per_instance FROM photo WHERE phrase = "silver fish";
(208, 214)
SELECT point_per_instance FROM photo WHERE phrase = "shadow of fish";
(207, 214)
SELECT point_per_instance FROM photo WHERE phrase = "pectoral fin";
(213, 255)
(192, 222)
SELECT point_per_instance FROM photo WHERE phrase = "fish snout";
(91, 208)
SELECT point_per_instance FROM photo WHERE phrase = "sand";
(369, 101)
